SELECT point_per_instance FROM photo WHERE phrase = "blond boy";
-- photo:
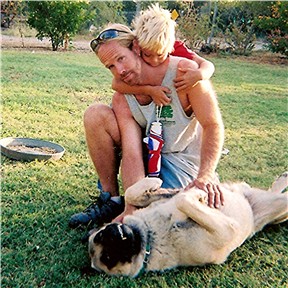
(154, 32)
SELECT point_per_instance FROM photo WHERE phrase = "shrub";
(275, 25)
(239, 39)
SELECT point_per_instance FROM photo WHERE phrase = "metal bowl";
(28, 149)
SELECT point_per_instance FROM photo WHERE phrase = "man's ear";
(136, 47)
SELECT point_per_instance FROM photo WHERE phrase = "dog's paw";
(152, 184)
(145, 185)
(191, 198)
(137, 193)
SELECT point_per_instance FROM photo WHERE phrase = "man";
(193, 132)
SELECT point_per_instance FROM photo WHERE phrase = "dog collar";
(147, 254)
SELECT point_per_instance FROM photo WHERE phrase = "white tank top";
(182, 134)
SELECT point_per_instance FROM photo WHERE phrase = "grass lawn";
(44, 95)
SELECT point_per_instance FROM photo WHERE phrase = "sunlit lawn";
(45, 94)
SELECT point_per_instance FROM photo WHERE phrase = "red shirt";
(181, 50)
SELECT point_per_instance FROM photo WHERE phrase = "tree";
(57, 20)
(14, 13)
(99, 13)
(275, 25)
(8, 12)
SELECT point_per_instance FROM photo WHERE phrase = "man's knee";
(96, 114)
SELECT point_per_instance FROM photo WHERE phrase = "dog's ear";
(98, 238)
(87, 235)
(88, 271)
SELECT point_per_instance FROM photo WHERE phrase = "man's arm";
(203, 101)
(205, 106)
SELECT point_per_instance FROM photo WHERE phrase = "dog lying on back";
(177, 228)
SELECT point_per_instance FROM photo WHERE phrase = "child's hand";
(190, 78)
(158, 94)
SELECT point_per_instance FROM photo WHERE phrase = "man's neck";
(153, 75)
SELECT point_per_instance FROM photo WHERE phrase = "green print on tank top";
(166, 115)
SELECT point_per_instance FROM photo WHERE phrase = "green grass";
(253, 100)
(45, 94)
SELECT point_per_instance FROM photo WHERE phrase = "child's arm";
(191, 77)
(206, 67)
(157, 93)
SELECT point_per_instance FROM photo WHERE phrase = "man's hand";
(129, 209)
(215, 195)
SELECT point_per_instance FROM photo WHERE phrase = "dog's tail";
(280, 184)
(269, 207)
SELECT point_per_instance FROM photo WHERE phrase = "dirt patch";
(32, 43)
(269, 59)
(265, 57)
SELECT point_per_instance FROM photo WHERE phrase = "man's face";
(123, 63)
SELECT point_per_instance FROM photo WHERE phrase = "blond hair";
(124, 39)
(155, 30)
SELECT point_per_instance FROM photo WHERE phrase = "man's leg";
(103, 137)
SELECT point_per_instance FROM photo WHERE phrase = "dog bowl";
(29, 149)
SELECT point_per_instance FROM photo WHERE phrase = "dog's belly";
(176, 240)
(179, 241)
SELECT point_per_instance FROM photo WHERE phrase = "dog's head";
(114, 249)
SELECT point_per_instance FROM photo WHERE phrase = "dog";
(177, 228)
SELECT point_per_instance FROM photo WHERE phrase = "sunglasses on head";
(105, 35)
